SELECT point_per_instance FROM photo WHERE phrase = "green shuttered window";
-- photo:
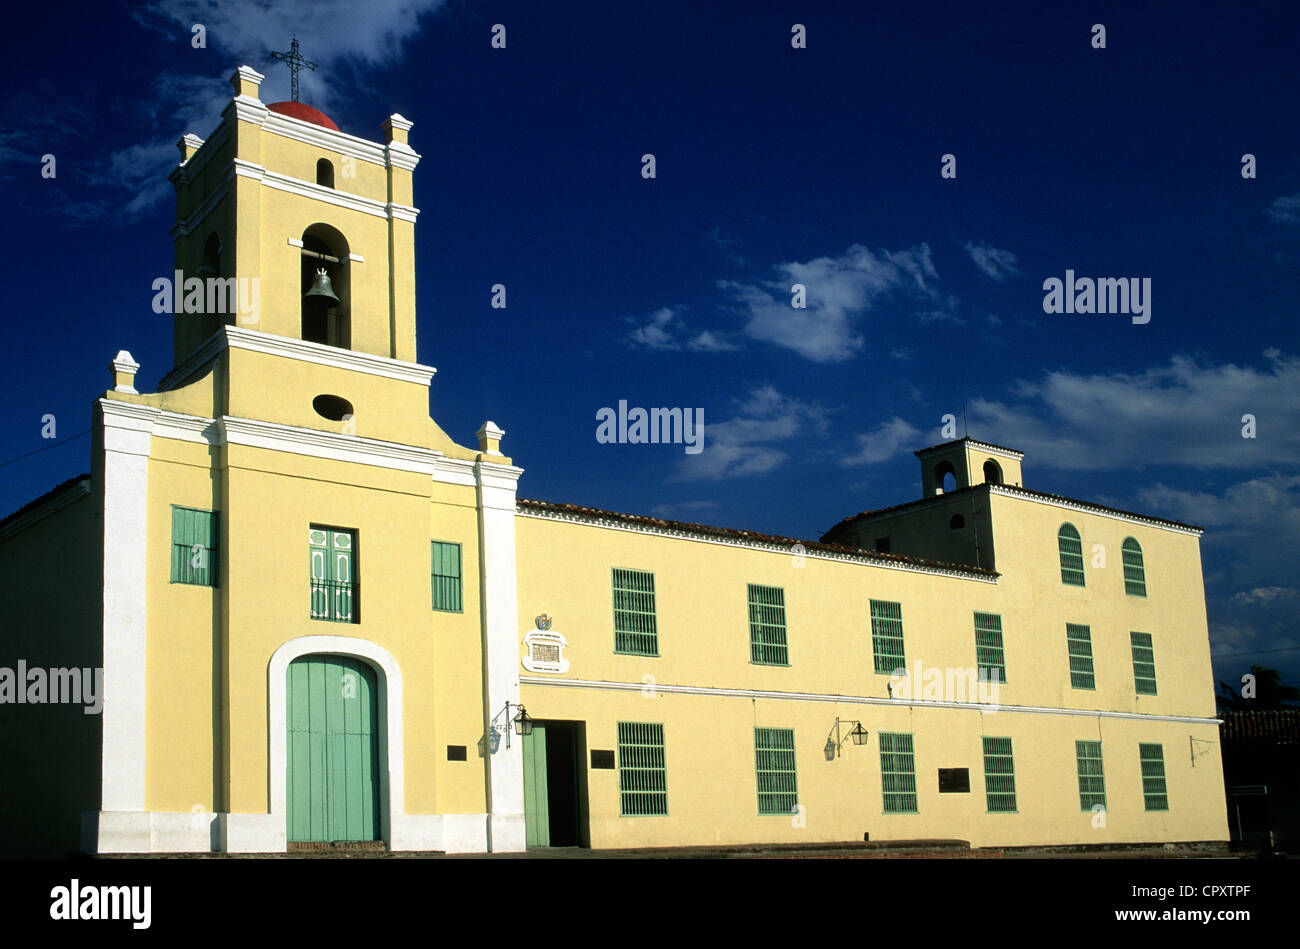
(1092, 781)
(1071, 547)
(999, 776)
(988, 647)
(445, 570)
(334, 592)
(642, 773)
(1135, 574)
(1079, 640)
(194, 546)
(897, 773)
(1154, 791)
(767, 643)
(635, 631)
(887, 636)
(778, 790)
(1144, 663)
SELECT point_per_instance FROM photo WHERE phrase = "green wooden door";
(333, 767)
(537, 813)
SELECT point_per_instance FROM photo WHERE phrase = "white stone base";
(506, 833)
(202, 832)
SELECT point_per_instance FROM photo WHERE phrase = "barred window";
(1092, 780)
(897, 773)
(1079, 641)
(1071, 548)
(635, 631)
(778, 790)
(767, 643)
(1135, 575)
(1154, 791)
(887, 636)
(999, 776)
(642, 773)
(1144, 663)
(988, 647)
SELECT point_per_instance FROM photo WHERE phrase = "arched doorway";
(333, 764)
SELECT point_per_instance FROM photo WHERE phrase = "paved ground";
(887, 850)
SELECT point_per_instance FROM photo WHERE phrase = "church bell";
(321, 290)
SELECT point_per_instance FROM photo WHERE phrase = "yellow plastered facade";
(188, 754)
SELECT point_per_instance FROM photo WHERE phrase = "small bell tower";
(966, 462)
(288, 226)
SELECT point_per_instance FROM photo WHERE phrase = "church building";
(310, 618)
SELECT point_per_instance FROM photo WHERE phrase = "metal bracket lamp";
(523, 725)
(834, 741)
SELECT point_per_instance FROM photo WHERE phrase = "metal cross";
(293, 59)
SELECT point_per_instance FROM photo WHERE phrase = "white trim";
(276, 436)
(1085, 507)
(454, 471)
(234, 337)
(783, 549)
(544, 637)
(983, 446)
(496, 487)
(607, 685)
(69, 495)
(126, 436)
(392, 770)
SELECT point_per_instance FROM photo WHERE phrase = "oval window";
(332, 407)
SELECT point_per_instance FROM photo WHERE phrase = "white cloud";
(1285, 210)
(1181, 413)
(993, 262)
(1264, 594)
(839, 290)
(889, 439)
(665, 329)
(745, 444)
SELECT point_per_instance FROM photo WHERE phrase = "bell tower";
(965, 463)
(295, 228)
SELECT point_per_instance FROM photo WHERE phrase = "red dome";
(300, 110)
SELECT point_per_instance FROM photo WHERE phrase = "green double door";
(554, 792)
(333, 766)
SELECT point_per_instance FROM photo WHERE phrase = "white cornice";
(454, 471)
(72, 493)
(997, 450)
(986, 707)
(1084, 506)
(234, 337)
(277, 436)
(783, 549)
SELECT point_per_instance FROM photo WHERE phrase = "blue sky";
(774, 165)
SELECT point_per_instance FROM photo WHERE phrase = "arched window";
(324, 321)
(1071, 547)
(957, 523)
(325, 173)
(992, 472)
(945, 478)
(1135, 574)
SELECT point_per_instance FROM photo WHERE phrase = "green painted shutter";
(1154, 791)
(537, 809)
(333, 755)
(989, 657)
(1135, 576)
(774, 763)
(897, 773)
(194, 546)
(446, 572)
(767, 644)
(887, 636)
(318, 542)
(1144, 663)
(1071, 549)
(333, 583)
(341, 578)
(1092, 778)
(999, 776)
(1078, 639)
